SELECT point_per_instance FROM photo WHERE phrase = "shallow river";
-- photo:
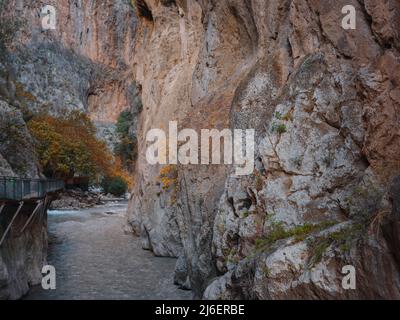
(94, 259)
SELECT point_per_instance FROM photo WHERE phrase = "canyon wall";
(22, 255)
(84, 64)
(324, 102)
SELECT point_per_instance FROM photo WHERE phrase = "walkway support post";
(12, 221)
(40, 203)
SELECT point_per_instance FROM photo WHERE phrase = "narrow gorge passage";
(94, 259)
(257, 140)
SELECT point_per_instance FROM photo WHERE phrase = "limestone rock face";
(324, 102)
(17, 153)
(84, 63)
(22, 256)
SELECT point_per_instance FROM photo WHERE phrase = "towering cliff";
(84, 63)
(324, 102)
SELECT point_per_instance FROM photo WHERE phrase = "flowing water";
(94, 259)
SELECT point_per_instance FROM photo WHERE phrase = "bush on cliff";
(116, 186)
(126, 149)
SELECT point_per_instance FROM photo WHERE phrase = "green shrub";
(279, 128)
(343, 239)
(116, 186)
(278, 115)
(298, 233)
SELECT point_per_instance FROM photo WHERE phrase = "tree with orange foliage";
(67, 146)
(119, 171)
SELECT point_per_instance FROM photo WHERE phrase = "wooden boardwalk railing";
(18, 189)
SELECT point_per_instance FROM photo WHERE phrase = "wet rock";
(73, 199)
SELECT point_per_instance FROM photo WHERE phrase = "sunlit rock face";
(324, 102)
(84, 63)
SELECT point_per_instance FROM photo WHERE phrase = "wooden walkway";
(18, 191)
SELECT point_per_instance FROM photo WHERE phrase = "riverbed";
(95, 259)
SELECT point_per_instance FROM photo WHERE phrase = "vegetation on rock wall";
(116, 186)
(125, 149)
(67, 146)
(168, 180)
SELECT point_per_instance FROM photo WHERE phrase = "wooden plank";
(12, 221)
(31, 216)
(43, 211)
